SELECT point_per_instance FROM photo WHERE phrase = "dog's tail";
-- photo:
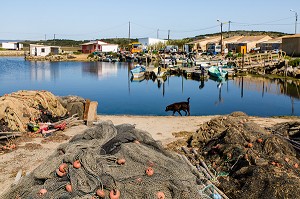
(188, 100)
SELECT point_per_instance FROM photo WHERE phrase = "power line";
(263, 23)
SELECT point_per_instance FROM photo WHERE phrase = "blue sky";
(91, 19)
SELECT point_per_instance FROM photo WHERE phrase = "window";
(42, 50)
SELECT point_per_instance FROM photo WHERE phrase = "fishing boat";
(138, 71)
(218, 72)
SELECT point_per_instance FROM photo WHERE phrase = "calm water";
(110, 85)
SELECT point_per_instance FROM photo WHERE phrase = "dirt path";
(30, 153)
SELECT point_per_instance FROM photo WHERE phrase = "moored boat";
(218, 72)
(138, 71)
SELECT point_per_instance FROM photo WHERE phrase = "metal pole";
(221, 38)
(243, 59)
(168, 35)
(229, 22)
(296, 19)
(129, 31)
(296, 15)
(157, 33)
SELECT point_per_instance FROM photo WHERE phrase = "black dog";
(180, 106)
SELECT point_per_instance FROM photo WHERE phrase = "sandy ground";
(30, 153)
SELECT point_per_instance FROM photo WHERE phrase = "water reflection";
(111, 85)
(101, 70)
(265, 85)
(219, 85)
(40, 71)
(201, 83)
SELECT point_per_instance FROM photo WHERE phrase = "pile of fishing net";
(22, 107)
(149, 170)
(247, 160)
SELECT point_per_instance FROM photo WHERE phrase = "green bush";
(230, 54)
(90, 55)
(294, 62)
(76, 53)
(239, 55)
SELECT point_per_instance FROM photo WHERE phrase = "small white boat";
(138, 71)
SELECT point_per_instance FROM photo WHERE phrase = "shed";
(248, 41)
(272, 44)
(291, 45)
(12, 45)
(147, 41)
(201, 44)
(98, 46)
(42, 50)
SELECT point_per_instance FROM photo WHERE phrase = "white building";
(42, 50)
(150, 41)
(98, 46)
(110, 47)
(12, 45)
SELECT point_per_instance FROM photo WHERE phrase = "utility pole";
(54, 39)
(129, 31)
(45, 37)
(168, 35)
(221, 38)
(229, 22)
(157, 33)
(296, 20)
(221, 23)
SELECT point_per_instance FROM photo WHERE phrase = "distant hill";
(56, 42)
(242, 33)
(123, 42)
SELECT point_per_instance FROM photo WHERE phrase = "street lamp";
(221, 23)
(296, 16)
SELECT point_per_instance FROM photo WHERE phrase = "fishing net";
(19, 108)
(248, 160)
(98, 149)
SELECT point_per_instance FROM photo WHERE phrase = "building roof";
(248, 39)
(292, 36)
(275, 40)
(96, 42)
(39, 45)
(207, 39)
(232, 39)
(11, 42)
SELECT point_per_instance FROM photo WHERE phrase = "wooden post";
(243, 59)
(86, 109)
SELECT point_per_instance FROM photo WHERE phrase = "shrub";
(294, 62)
(230, 54)
(76, 53)
(91, 55)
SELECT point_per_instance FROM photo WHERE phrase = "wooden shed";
(291, 45)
